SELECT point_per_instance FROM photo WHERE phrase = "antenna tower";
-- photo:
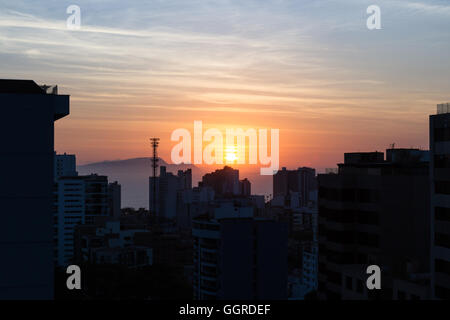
(155, 164)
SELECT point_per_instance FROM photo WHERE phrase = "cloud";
(295, 63)
(32, 52)
(427, 7)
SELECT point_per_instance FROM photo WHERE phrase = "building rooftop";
(59, 103)
(12, 86)
(20, 87)
(363, 157)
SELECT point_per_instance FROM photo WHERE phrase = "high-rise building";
(245, 188)
(78, 200)
(375, 212)
(301, 181)
(238, 256)
(224, 182)
(65, 165)
(310, 267)
(440, 201)
(169, 189)
(194, 202)
(27, 116)
(115, 199)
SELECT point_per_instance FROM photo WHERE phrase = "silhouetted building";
(169, 188)
(114, 199)
(301, 181)
(375, 212)
(303, 245)
(224, 182)
(245, 188)
(78, 200)
(440, 201)
(310, 267)
(195, 202)
(237, 256)
(111, 242)
(65, 165)
(27, 116)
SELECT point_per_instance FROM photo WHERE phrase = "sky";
(312, 69)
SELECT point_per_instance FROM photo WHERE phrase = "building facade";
(169, 188)
(79, 200)
(65, 165)
(27, 116)
(224, 182)
(374, 212)
(301, 181)
(237, 256)
(440, 201)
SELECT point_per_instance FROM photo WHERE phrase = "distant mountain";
(133, 175)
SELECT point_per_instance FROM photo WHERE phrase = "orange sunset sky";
(309, 68)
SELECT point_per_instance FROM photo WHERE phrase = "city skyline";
(313, 70)
(380, 219)
(229, 153)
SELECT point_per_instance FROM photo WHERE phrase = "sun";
(231, 154)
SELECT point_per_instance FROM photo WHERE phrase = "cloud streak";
(302, 66)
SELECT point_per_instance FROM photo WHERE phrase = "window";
(348, 283)
(359, 286)
(442, 187)
(442, 214)
(441, 134)
(361, 258)
(442, 240)
(334, 277)
(367, 217)
(442, 161)
(442, 292)
(442, 266)
(367, 239)
(343, 237)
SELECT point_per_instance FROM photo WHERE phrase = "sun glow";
(231, 154)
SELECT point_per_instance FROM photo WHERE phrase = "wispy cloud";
(428, 7)
(305, 66)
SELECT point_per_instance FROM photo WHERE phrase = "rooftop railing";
(443, 108)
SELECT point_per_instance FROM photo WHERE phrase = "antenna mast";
(155, 164)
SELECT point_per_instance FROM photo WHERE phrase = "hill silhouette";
(133, 175)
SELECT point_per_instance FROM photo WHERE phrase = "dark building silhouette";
(169, 189)
(375, 212)
(65, 165)
(81, 200)
(245, 187)
(302, 181)
(115, 199)
(238, 256)
(27, 115)
(111, 242)
(224, 181)
(440, 201)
